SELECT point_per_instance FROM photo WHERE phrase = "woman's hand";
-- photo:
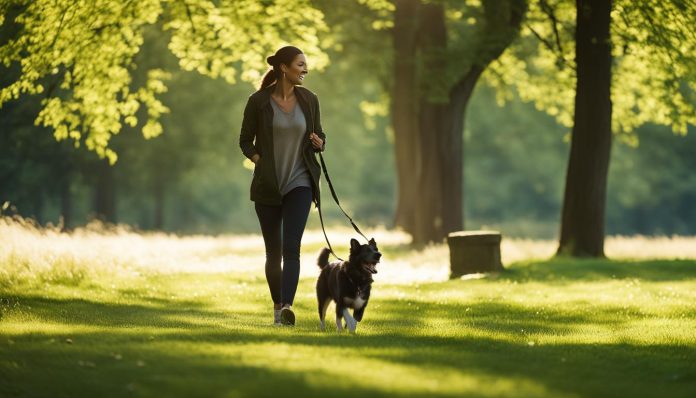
(317, 142)
(255, 158)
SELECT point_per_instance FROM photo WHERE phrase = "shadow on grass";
(561, 269)
(502, 318)
(185, 349)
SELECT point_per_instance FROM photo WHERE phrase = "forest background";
(192, 178)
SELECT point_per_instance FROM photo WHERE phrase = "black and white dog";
(347, 283)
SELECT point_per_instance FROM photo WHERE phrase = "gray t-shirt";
(288, 133)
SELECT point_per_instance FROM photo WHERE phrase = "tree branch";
(548, 10)
(557, 47)
(60, 28)
(190, 18)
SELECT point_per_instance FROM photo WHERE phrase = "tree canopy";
(654, 70)
(189, 178)
(80, 55)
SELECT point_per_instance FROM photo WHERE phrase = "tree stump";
(474, 252)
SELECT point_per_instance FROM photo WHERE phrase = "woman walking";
(280, 133)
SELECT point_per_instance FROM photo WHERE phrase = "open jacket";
(256, 137)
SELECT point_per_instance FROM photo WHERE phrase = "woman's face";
(296, 71)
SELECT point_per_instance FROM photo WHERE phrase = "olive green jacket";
(256, 137)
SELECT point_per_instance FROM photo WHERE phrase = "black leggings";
(283, 226)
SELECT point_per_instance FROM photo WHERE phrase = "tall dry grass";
(29, 252)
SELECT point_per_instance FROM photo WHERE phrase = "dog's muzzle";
(370, 267)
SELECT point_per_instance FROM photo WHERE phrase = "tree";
(80, 54)
(437, 64)
(653, 80)
(34, 168)
(582, 221)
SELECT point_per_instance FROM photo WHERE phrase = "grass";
(118, 313)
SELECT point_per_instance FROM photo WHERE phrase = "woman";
(280, 133)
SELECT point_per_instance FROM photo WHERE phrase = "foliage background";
(515, 154)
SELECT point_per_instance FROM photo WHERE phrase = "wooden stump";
(473, 252)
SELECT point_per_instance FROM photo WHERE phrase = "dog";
(347, 283)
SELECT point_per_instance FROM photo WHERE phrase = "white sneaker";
(287, 317)
(276, 317)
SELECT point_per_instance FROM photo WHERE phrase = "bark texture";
(584, 201)
(429, 130)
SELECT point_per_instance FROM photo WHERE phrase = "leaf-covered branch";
(86, 49)
(654, 70)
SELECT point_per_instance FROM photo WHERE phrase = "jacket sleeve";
(248, 131)
(318, 130)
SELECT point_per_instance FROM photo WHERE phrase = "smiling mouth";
(370, 267)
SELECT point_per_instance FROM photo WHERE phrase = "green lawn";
(557, 328)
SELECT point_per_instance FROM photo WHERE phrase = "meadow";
(108, 311)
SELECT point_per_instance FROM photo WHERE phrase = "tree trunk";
(453, 150)
(38, 207)
(66, 204)
(105, 193)
(429, 134)
(405, 111)
(428, 143)
(159, 205)
(432, 133)
(582, 221)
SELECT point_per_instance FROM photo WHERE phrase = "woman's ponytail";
(268, 79)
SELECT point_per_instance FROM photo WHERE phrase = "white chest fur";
(356, 303)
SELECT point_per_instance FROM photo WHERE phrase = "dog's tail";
(323, 259)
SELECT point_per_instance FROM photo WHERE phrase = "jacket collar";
(299, 93)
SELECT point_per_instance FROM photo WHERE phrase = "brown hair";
(284, 55)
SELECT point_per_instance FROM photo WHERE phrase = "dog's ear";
(354, 244)
(372, 242)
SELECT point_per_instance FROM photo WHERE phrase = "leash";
(333, 193)
(321, 218)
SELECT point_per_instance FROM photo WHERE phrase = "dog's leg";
(339, 323)
(358, 314)
(339, 317)
(322, 312)
(323, 294)
(350, 321)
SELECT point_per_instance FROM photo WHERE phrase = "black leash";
(333, 193)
